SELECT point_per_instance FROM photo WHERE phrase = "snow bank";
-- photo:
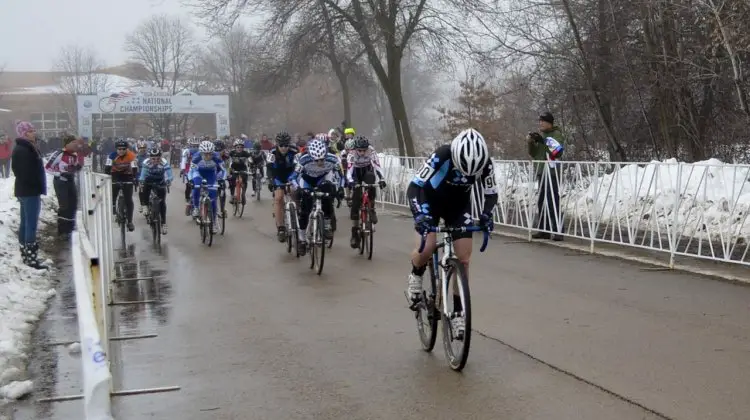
(24, 293)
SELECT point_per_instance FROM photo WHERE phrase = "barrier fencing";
(93, 257)
(694, 210)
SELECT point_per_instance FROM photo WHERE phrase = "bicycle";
(239, 202)
(120, 211)
(316, 239)
(433, 303)
(257, 178)
(366, 230)
(153, 215)
(221, 218)
(206, 215)
(291, 221)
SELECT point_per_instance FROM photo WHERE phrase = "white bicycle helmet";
(239, 142)
(332, 132)
(469, 152)
(317, 149)
(206, 147)
(140, 144)
(349, 145)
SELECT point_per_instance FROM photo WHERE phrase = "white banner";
(151, 102)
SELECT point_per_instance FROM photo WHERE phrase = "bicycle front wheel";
(155, 219)
(427, 315)
(456, 341)
(320, 242)
(369, 241)
(122, 218)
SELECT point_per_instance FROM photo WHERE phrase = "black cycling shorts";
(454, 215)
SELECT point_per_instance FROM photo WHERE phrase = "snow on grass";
(24, 294)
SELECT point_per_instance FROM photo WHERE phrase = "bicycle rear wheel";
(457, 357)
(427, 315)
(221, 219)
(320, 242)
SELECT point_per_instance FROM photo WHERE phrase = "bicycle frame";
(440, 264)
(238, 183)
(365, 197)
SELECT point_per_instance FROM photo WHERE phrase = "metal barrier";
(92, 250)
(695, 210)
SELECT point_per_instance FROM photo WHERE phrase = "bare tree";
(80, 72)
(165, 48)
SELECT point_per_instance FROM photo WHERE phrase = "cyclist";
(188, 153)
(348, 146)
(207, 165)
(156, 174)
(363, 165)
(239, 157)
(123, 167)
(280, 168)
(257, 161)
(317, 168)
(141, 153)
(442, 190)
(333, 141)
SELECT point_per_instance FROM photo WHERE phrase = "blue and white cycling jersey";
(309, 173)
(211, 170)
(158, 173)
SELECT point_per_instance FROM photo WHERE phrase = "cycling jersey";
(187, 157)
(257, 158)
(357, 161)
(122, 168)
(211, 170)
(157, 173)
(281, 167)
(239, 160)
(310, 173)
(442, 191)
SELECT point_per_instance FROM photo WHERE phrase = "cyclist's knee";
(462, 248)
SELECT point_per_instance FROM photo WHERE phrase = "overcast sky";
(33, 31)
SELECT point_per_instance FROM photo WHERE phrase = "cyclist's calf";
(421, 259)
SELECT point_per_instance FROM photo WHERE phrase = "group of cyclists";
(441, 189)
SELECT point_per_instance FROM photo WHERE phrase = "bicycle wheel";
(210, 226)
(289, 232)
(221, 219)
(333, 223)
(457, 357)
(122, 218)
(237, 194)
(320, 242)
(427, 315)
(257, 189)
(155, 222)
(203, 221)
(362, 226)
(369, 241)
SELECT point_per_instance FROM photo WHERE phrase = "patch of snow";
(24, 293)
(74, 348)
(114, 83)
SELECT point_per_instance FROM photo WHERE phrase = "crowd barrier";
(697, 210)
(93, 258)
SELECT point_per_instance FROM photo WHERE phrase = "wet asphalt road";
(249, 332)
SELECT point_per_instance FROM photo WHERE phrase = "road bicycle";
(205, 215)
(239, 201)
(256, 177)
(221, 218)
(316, 239)
(366, 231)
(121, 217)
(291, 221)
(447, 275)
(153, 215)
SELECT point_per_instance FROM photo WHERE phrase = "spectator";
(6, 146)
(63, 165)
(166, 150)
(265, 143)
(546, 147)
(30, 185)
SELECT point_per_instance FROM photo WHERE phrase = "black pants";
(188, 190)
(549, 210)
(127, 192)
(161, 192)
(367, 176)
(67, 204)
(233, 180)
(306, 203)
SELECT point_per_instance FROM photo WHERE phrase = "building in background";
(39, 98)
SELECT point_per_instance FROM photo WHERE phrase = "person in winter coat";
(546, 147)
(63, 165)
(30, 186)
(6, 146)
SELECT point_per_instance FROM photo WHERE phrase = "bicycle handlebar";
(364, 184)
(474, 228)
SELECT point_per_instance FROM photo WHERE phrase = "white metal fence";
(694, 210)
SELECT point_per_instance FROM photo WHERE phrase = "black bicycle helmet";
(154, 152)
(121, 144)
(361, 142)
(283, 139)
(256, 146)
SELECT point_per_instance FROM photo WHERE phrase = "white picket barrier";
(697, 210)
(97, 379)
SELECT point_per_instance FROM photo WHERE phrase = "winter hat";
(67, 138)
(23, 127)
(547, 116)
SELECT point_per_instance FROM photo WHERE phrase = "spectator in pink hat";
(30, 185)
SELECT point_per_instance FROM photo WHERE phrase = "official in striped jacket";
(63, 165)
